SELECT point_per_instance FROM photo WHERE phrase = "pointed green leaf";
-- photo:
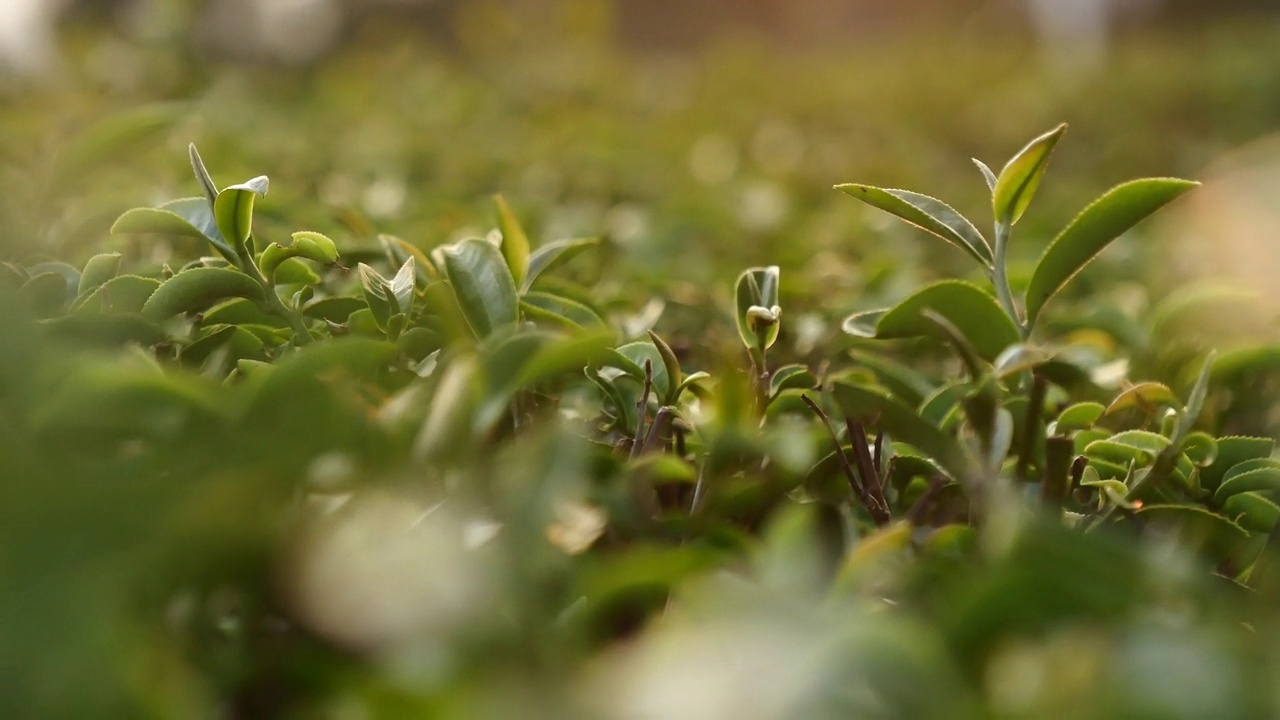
(987, 175)
(1079, 416)
(1093, 229)
(671, 364)
(1261, 475)
(402, 285)
(1128, 446)
(637, 353)
(1232, 451)
(1147, 396)
(202, 176)
(789, 377)
(124, 294)
(196, 289)
(515, 243)
(97, 271)
(575, 312)
(863, 323)
(483, 285)
(1020, 177)
(553, 254)
(973, 311)
(186, 217)
(1253, 511)
(928, 214)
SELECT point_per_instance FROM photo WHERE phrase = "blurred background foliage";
(174, 575)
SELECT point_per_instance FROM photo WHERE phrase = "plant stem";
(275, 304)
(1031, 433)
(1000, 278)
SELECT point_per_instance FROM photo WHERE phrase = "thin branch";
(868, 467)
(642, 410)
(878, 513)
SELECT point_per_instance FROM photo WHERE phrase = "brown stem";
(879, 513)
(868, 467)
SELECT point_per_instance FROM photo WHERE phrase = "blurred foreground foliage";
(263, 458)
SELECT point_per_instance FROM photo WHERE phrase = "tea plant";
(451, 481)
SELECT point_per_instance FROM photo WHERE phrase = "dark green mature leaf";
(483, 285)
(186, 217)
(633, 358)
(125, 293)
(973, 311)
(928, 214)
(1093, 229)
(233, 209)
(97, 271)
(1260, 475)
(1079, 416)
(874, 406)
(553, 254)
(1131, 445)
(197, 289)
(671, 365)
(1232, 451)
(515, 243)
(1252, 511)
(577, 313)
(1020, 177)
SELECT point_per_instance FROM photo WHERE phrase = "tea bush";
(276, 474)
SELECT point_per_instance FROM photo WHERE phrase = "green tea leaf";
(987, 175)
(671, 364)
(790, 377)
(314, 246)
(1079, 416)
(1093, 229)
(1147, 396)
(1252, 511)
(757, 306)
(515, 243)
(1020, 177)
(123, 294)
(928, 214)
(553, 254)
(965, 305)
(483, 285)
(1232, 451)
(97, 271)
(578, 314)
(197, 289)
(233, 209)
(207, 185)
(187, 217)
(1261, 475)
